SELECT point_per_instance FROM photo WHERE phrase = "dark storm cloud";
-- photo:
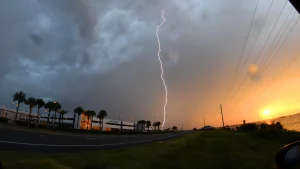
(103, 54)
(36, 39)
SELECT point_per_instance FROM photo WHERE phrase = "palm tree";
(78, 110)
(31, 102)
(174, 128)
(56, 107)
(50, 106)
(40, 103)
(90, 113)
(148, 124)
(61, 116)
(142, 122)
(154, 125)
(99, 117)
(102, 114)
(93, 113)
(158, 124)
(20, 98)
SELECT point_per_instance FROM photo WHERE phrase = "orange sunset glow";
(177, 62)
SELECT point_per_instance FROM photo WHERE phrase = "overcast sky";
(102, 54)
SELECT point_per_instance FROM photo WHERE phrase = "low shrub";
(264, 126)
(248, 127)
(273, 126)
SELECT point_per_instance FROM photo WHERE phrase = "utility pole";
(204, 122)
(222, 114)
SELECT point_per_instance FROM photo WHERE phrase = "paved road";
(45, 141)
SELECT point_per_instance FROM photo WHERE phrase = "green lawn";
(204, 150)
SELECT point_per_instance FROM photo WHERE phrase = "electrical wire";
(245, 44)
(256, 39)
(258, 56)
(267, 14)
(266, 68)
(245, 78)
(277, 77)
(260, 52)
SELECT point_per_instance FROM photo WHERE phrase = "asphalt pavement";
(47, 141)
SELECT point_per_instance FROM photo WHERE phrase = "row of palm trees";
(90, 114)
(20, 97)
(54, 107)
(148, 124)
(156, 124)
(174, 128)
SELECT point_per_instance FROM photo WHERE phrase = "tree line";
(53, 107)
(155, 125)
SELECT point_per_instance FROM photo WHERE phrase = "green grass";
(201, 150)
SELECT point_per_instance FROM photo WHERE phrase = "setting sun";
(266, 112)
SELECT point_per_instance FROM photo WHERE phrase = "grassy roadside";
(205, 150)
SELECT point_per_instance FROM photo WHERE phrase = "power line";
(286, 67)
(276, 78)
(271, 32)
(281, 44)
(234, 77)
(255, 39)
(245, 78)
(267, 14)
(270, 35)
(273, 46)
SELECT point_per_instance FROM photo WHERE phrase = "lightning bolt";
(161, 66)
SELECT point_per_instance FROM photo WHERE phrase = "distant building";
(109, 124)
(11, 114)
(23, 116)
(83, 122)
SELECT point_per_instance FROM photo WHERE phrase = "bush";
(263, 126)
(194, 129)
(248, 127)
(273, 126)
(279, 126)
(3, 120)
